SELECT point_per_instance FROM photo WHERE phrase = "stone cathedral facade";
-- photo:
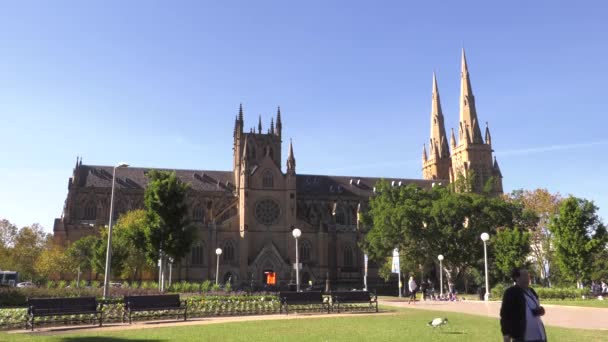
(251, 210)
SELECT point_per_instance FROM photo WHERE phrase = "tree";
(511, 247)
(81, 253)
(600, 266)
(29, 244)
(578, 235)
(543, 205)
(130, 230)
(425, 223)
(53, 263)
(168, 233)
(119, 253)
(8, 233)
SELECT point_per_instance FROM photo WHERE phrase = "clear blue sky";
(158, 84)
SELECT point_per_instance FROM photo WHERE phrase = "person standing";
(521, 311)
(412, 287)
(424, 286)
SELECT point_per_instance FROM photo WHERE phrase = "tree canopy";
(579, 234)
(423, 223)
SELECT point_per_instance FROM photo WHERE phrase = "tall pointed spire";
(279, 123)
(291, 160)
(272, 126)
(452, 140)
(260, 124)
(424, 156)
(468, 112)
(488, 136)
(438, 135)
(241, 113)
(497, 168)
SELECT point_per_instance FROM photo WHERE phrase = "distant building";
(251, 210)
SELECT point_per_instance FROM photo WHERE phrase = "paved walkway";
(556, 315)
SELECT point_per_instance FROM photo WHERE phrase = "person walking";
(424, 287)
(521, 311)
(412, 287)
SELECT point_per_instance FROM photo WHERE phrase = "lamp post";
(485, 237)
(170, 270)
(296, 234)
(440, 257)
(106, 279)
(218, 252)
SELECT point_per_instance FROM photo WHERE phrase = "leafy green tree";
(8, 233)
(541, 206)
(600, 266)
(119, 253)
(53, 262)
(578, 234)
(81, 253)
(511, 247)
(169, 233)
(425, 223)
(130, 230)
(28, 245)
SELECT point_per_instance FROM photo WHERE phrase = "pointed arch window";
(197, 213)
(90, 211)
(348, 256)
(267, 179)
(197, 254)
(305, 250)
(228, 252)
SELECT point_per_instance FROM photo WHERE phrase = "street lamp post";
(218, 252)
(170, 270)
(485, 237)
(106, 279)
(296, 234)
(440, 257)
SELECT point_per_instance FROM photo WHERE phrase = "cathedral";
(250, 211)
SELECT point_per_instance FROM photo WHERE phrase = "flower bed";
(198, 306)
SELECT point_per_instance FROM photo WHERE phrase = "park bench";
(169, 303)
(314, 298)
(354, 297)
(46, 307)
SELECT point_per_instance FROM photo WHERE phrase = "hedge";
(553, 293)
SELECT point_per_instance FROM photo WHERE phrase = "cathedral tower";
(437, 164)
(472, 157)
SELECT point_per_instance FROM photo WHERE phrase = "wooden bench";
(45, 307)
(354, 297)
(154, 303)
(301, 298)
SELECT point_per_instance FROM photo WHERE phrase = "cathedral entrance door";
(269, 278)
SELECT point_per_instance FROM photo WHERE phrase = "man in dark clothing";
(521, 311)
(424, 286)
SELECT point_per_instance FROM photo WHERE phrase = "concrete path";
(556, 315)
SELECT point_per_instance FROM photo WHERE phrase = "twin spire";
(468, 130)
(468, 113)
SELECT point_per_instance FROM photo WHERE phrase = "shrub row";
(198, 306)
(554, 293)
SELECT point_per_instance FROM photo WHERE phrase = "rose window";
(267, 212)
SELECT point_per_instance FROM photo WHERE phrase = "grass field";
(399, 325)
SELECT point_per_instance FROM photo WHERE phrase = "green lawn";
(400, 325)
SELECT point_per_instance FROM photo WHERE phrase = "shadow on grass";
(104, 339)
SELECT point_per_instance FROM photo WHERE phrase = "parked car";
(26, 284)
